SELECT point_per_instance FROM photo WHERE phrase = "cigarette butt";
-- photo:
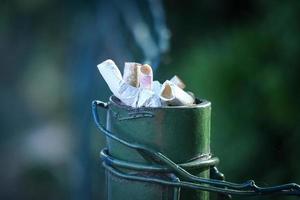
(112, 76)
(131, 73)
(177, 81)
(146, 77)
(167, 93)
(192, 94)
(171, 94)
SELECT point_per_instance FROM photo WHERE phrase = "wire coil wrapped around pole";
(248, 188)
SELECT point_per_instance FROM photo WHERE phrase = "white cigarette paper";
(138, 97)
(171, 94)
(192, 94)
(128, 95)
(146, 77)
(147, 98)
(112, 76)
(156, 87)
(177, 81)
(131, 73)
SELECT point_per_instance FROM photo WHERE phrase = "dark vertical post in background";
(102, 36)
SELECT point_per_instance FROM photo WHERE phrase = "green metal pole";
(181, 133)
(152, 173)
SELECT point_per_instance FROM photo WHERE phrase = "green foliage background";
(248, 67)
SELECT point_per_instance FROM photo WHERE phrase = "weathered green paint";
(181, 133)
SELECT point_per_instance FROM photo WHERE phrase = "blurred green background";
(243, 56)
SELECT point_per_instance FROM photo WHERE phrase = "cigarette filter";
(146, 77)
(171, 94)
(131, 73)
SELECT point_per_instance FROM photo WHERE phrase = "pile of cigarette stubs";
(136, 87)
